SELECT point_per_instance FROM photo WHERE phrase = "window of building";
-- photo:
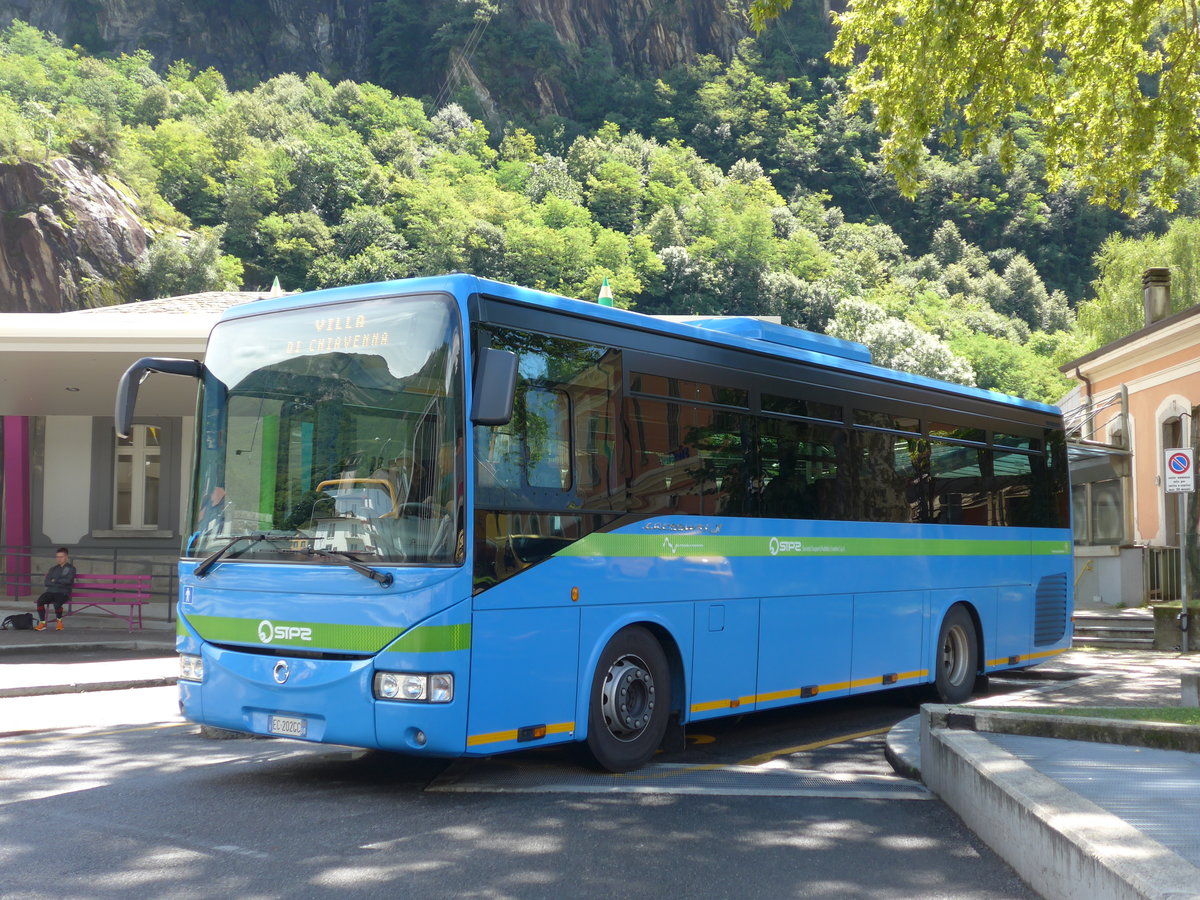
(137, 478)
(1099, 512)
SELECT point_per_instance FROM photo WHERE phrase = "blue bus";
(448, 516)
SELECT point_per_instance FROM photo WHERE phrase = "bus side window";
(1012, 482)
(959, 497)
(661, 467)
(547, 439)
(725, 466)
(886, 477)
(805, 470)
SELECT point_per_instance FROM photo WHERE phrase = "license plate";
(287, 726)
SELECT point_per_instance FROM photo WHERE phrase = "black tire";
(630, 702)
(957, 660)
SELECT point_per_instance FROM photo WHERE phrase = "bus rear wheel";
(630, 701)
(957, 657)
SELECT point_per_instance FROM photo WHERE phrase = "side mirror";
(495, 387)
(128, 386)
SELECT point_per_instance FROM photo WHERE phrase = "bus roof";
(742, 332)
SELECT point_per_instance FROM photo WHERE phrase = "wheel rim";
(954, 655)
(627, 698)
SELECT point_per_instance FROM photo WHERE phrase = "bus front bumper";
(326, 701)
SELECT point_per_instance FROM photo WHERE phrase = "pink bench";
(104, 592)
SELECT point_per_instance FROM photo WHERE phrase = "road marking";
(817, 745)
(498, 776)
(753, 777)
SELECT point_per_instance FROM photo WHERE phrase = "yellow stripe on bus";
(792, 693)
(1025, 657)
(499, 737)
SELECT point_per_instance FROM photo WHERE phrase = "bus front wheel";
(630, 701)
(957, 657)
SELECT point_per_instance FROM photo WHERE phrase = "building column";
(17, 547)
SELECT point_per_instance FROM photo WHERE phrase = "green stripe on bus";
(283, 633)
(434, 639)
(665, 545)
(350, 638)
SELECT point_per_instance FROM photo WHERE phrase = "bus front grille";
(293, 652)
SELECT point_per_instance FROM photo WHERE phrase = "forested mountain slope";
(732, 183)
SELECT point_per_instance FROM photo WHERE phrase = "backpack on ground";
(18, 622)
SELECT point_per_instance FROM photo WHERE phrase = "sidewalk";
(34, 663)
(1079, 807)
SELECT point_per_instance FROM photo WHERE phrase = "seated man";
(59, 581)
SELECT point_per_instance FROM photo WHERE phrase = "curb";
(902, 749)
(136, 644)
(1061, 844)
(1158, 735)
(86, 687)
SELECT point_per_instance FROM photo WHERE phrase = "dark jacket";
(60, 579)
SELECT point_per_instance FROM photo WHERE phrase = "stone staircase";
(1116, 629)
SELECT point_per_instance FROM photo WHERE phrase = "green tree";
(1117, 309)
(897, 344)
(288, 245)
(253, 187)
(332, 170)
(1027, 296)
(614, 194)
(1000, 365)
(187, 165)
(372, 264)
(1112, 83)
(176, 266)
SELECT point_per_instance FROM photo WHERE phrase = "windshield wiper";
(385, 579)
(212, 559)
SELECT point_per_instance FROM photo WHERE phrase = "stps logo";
(267, 632)
(778, 546)
(674, 546)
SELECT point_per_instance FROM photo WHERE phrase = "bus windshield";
(337, 428)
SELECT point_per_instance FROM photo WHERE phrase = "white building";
(67, 480)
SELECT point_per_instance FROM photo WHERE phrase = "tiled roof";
(207, 302)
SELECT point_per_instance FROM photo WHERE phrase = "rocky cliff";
(68, 239)
(247, 40)
(648, 35)
(250, 40)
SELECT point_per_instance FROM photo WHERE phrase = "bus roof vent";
(760, 330)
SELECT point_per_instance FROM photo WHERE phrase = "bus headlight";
(414, 687)
(191, 668)
(441, 688)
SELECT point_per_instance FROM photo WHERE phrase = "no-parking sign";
(1180, 471)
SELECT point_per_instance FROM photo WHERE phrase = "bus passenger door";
(805, 649)
(888, 632)
(724, 659)
(523, 685)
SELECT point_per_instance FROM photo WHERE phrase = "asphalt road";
(133, 802)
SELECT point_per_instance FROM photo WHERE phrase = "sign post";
(1180, 478)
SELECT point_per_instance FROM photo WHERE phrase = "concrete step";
(1123, 615)
(1116, 634)
(1113, 643)
(1125, 629)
